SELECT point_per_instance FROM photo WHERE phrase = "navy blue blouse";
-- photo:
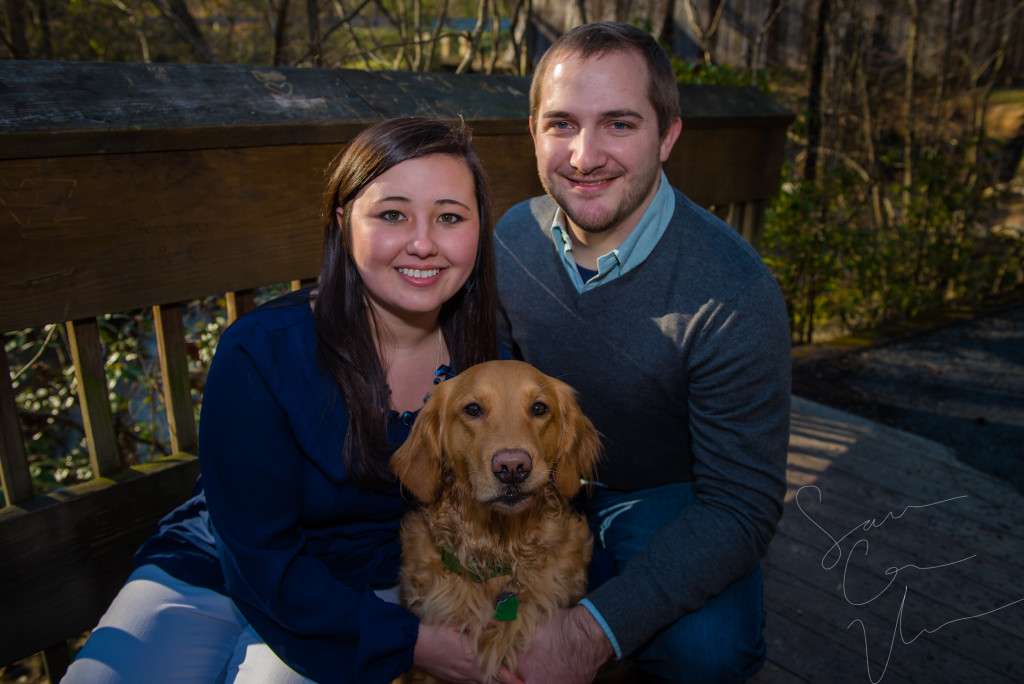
(288, 535)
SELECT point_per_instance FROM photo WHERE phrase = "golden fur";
(480, 433)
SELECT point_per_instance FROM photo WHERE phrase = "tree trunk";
(316, 51)
(910, 66)
(814, 91)
(177, 12)
(17, 39)
(280, 18)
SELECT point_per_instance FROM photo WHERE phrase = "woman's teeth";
(416, 273)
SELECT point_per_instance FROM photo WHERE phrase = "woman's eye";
(391, 215)
(539, 409)
(473, 410)
(449, 218)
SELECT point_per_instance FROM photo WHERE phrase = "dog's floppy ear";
(417, 463)
(579, 448)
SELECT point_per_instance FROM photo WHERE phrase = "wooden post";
(90, 373)
(748, 220)
(14, 474)
(239, 303)
(170, 340)
(56, 660)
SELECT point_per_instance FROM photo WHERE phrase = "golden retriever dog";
(493, 545)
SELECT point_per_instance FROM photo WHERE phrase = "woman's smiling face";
(414, 232)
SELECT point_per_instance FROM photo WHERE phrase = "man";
(675, 335)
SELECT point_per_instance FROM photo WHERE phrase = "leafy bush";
(839, 269)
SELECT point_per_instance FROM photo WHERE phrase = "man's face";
(596, 136)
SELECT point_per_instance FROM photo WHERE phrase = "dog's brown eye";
(540, 408)
(473, 410)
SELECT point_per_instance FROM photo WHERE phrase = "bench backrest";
(132, 186)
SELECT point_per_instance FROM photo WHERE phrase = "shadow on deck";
(893, 562)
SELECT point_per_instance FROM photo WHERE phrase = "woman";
(276, 569)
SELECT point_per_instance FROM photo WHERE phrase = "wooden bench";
(130, 186)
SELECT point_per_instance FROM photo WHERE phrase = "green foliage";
(698, 73)
(46, 393)
(43, 390)
(840, 270)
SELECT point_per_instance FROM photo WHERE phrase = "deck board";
(888, 533)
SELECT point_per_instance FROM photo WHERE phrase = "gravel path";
(961, 385)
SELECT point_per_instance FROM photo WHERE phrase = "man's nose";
(587, 153)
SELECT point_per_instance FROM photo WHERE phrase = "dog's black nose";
(512, 466)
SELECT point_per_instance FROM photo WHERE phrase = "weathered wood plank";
(720, 166)
(903, 462)
(932, 530)
(177, 389)
(65, 555)
(14, 473)
(829, 598)
(67, 251)
(91, 379)
(875, 485)
(804, 640)
(74, 108)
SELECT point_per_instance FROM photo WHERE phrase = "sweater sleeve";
(739, 403)
(258, 484)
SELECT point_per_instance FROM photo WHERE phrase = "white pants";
(160, 629)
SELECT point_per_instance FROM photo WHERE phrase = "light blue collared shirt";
(633, 250)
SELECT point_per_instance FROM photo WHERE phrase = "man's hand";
(569, 649)
(447, 653)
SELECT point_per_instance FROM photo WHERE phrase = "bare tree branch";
(474, 38)
(177, 12)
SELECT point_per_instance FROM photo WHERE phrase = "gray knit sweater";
(683, 365)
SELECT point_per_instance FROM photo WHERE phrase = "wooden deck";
(893, 563)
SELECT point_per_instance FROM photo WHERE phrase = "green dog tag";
(508, 607)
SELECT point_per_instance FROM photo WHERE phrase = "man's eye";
(473, 410)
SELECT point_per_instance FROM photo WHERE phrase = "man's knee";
(718, 665)
(710, 646)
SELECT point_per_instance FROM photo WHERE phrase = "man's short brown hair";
(603, 37)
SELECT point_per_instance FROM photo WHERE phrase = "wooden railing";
(130, 186)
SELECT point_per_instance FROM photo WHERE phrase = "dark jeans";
(721, 642)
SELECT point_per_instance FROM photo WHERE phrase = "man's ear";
(532, 133)
(669, 139)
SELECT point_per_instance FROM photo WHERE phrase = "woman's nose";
(421, 241)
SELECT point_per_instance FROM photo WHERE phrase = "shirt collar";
(634, 249)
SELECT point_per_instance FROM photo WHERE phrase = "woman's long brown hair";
(343, 315)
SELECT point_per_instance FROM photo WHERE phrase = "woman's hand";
(446, 652)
